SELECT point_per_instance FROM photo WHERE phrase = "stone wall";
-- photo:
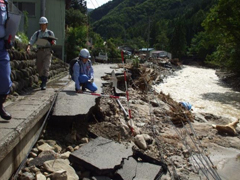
(24, 73)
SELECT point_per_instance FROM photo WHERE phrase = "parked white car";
(102, 57)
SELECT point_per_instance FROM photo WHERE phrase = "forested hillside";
(205, 30)
(164, 24)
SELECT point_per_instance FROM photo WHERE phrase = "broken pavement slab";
(128, 171)
(101, 155)
(104, 156)
(133, 170)
(70, 103)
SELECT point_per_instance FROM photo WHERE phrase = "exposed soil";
(175, 134)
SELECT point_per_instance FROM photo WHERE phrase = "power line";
(97, 3)
(93, 4)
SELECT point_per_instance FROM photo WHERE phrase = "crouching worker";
(83, 75)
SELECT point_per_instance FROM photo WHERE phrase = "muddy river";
(202, 88)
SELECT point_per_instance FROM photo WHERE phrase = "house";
(160, 54)
(127, 49)
(54, 11)
(145, 51)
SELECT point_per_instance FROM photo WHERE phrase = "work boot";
(84, 87)
(3, 113)
(41, 78)
(44, 83)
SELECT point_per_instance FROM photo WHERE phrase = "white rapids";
(202, 88)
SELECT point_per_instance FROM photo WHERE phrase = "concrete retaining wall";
(24, 73)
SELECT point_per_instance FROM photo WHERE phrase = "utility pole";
(148, 37)
(85, 4)
(43, 7)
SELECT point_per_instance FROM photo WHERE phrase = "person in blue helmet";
(5, 69)
(83, 74)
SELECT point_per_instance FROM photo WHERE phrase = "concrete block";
(133, 170)
(128, 170)
(101, 155)
(147, 171)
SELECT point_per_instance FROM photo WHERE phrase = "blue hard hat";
(186, 105)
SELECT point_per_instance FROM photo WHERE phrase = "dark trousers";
(5, 70)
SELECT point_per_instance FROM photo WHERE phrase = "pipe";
(124, 111)
(125, 79)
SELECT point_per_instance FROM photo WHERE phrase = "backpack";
(71, 64)
(49, 33)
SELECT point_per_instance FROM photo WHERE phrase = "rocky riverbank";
(231, 79)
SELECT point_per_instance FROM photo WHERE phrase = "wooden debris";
(178, 114)
(229, 129)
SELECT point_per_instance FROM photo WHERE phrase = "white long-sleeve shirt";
(39, 34)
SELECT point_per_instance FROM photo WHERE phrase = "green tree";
(98, 44)
(136, 42)
(178, 39)
(201, 46)
(223, 25)
(80, 5)
(113, 51)
(161, 40)
(75, 18)
(75, 40)
(25, 13)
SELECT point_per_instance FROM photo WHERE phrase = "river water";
(202, 88)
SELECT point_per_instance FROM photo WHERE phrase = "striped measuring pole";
(125, 79)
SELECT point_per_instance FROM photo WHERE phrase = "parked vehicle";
(160, 54)
(102, 57)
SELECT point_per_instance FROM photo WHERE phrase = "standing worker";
(83, 73)
(5, 69)
(44, 52)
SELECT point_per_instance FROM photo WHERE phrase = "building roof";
(146, 49)
(157, 51)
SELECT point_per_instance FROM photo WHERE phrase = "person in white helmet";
(83, 74)
(44, 53)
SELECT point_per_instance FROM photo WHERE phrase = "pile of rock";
(46, 161)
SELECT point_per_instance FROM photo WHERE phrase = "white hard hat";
(84, 53)
(43, 20)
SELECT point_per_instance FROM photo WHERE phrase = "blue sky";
(92, 4)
